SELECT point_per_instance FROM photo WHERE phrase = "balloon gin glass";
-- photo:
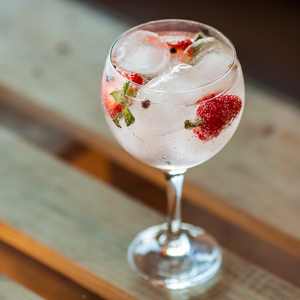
(173, 95)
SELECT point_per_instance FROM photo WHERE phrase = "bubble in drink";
(142, 52)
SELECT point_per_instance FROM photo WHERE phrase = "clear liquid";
(158, 137)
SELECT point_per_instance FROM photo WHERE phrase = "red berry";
(180, 45)
(133, 77)
(216, 115)
(112, 107)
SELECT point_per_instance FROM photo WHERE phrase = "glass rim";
(210, 83)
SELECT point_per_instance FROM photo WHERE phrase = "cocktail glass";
(174, 129)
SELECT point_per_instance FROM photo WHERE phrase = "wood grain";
(82, 229)
(38, 278)
(34, 128)
(54, 69)
(94, 164)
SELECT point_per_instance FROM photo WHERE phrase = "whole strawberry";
(215, 115)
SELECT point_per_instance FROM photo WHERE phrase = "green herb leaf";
(132, 92)
(199, 37)
(119, 97)
(126, 87)
(116, 120)
(189, 125)
(129, 118)
(123, 98)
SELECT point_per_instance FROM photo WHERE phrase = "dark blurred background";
(266, 33)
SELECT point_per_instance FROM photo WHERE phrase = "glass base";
(192, 259)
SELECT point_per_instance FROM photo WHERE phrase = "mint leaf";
(132, 92)
(129, 90)
(119, 97)
(189, 125)
(126, 87)
(199, 37)
(116, 120)
(129, 118)
(123, 98)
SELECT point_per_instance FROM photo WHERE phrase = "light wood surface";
(34, 128)
(9, 290)
(52, 56)
(82, 229)
(38, 278)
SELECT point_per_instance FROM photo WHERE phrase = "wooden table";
(81, 229)
(76, 227)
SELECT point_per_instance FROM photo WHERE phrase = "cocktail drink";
(173, 95)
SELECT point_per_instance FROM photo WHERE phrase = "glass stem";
(174, 189)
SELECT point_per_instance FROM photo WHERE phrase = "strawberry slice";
(178, 46)
(116, 101)
(177, 42)
(133, 77)
(215, 115)
(112, 107)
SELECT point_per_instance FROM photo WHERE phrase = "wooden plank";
(82, 229)
(250, 183)
(34, 129)
(94, 164)
(53, 43)
(38, 278)
(9, 290)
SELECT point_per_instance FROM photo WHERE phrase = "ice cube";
(167, 93)
(175, 85)
(142, 52)
(214, 64)
(211, 57)
(175, 61)
(179, 77)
